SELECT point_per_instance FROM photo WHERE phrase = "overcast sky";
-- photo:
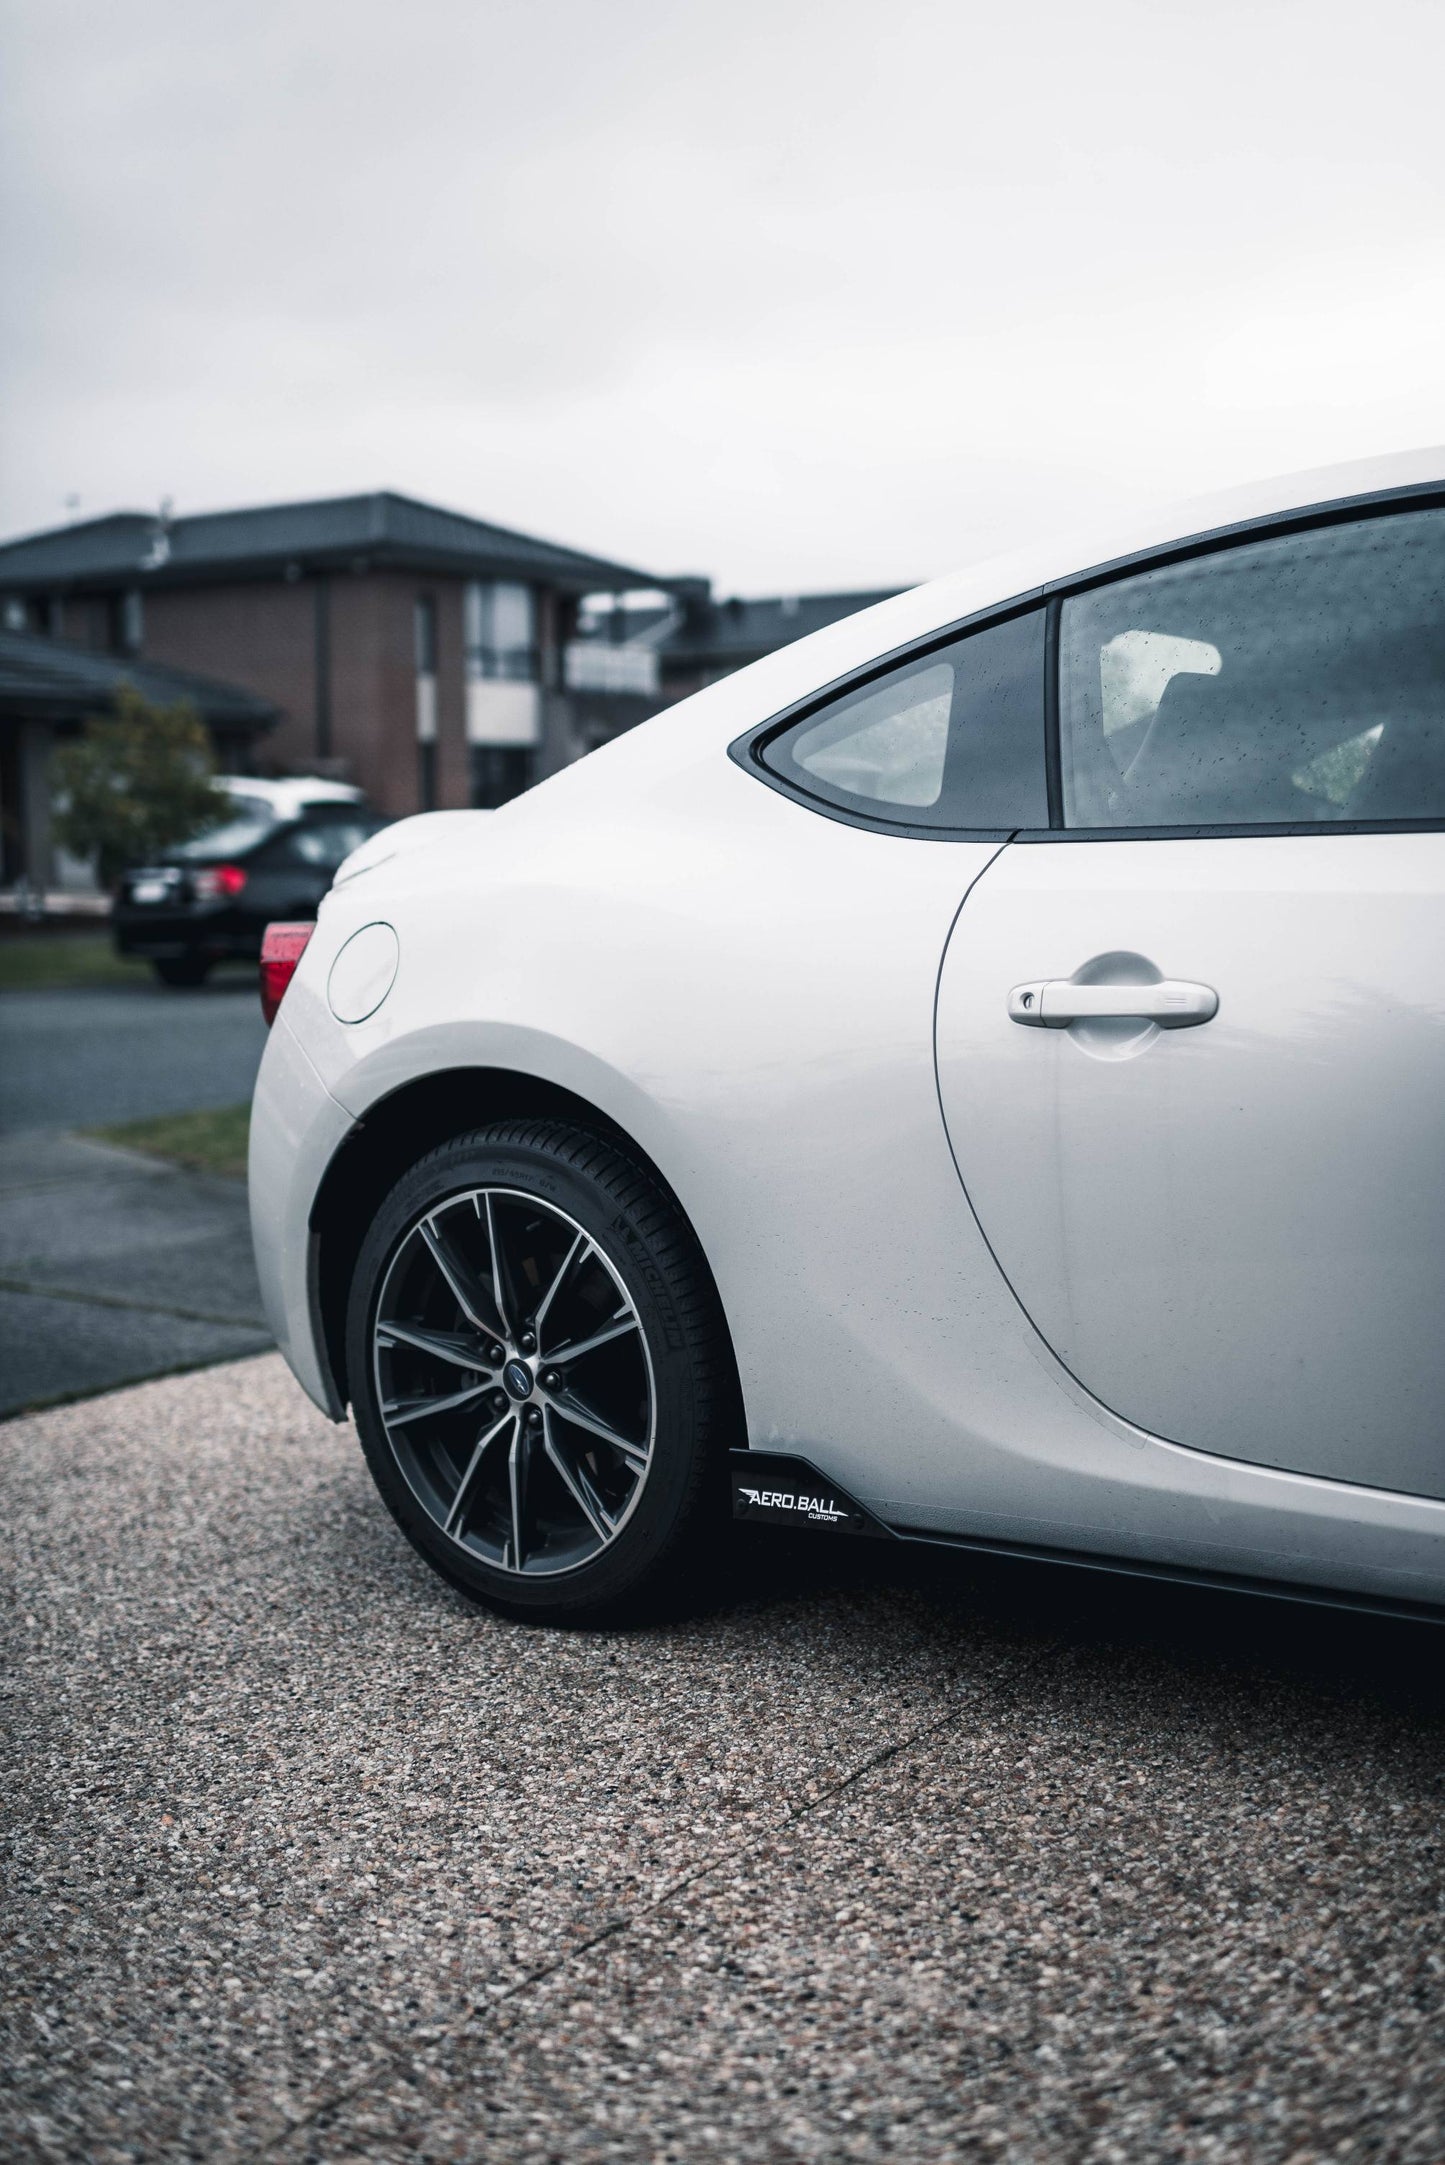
(797, 295)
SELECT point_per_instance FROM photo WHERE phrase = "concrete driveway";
(865, 1859)
(114, 1266)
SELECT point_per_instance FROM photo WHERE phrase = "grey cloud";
(792, 293)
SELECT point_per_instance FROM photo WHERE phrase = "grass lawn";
(71, 961)
(47, 961)
(213, 1142)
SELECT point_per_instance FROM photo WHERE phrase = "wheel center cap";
(517, 1381)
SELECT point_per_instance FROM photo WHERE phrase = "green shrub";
(134, 784)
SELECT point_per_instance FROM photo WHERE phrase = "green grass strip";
(61, 961)
(50, 961)
(206, 1142)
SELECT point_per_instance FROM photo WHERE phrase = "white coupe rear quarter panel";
(748, 989)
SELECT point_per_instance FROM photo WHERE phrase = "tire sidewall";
(535, 1170)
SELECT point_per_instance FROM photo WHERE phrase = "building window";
(425, 624)
(501, 630)
(499, 772)
(504, 698)
(127, 622)
(426, 636)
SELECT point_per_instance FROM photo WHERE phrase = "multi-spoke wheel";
(513, 1380)
(534, 1351)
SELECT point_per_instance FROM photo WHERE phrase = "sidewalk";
(113, 1267)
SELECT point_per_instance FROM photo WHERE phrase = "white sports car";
(977, 1076)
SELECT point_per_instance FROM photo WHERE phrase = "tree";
(131, 786)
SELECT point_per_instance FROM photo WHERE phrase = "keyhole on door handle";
(1026, 999)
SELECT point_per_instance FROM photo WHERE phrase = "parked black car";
(211, 899)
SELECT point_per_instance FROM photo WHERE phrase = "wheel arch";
(400, 1128)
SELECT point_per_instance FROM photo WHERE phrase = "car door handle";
(1052, 1003)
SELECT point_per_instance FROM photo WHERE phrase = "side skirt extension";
(775, 1488)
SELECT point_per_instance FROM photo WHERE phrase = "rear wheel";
(182, 970)
(537, 1361)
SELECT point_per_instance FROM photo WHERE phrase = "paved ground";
(865, 1859)
(84, 1059)
(113, 1266)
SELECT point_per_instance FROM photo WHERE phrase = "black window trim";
(1053, 759)
(746, 750)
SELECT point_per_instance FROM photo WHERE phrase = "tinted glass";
(230, 839)
(326, 842)
(952, 740)
(1296, 680)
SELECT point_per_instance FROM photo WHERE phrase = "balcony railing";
(596, 665)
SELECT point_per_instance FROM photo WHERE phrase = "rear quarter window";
(951, 740)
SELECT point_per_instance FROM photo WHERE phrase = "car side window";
(952, 740)
(1295, 680)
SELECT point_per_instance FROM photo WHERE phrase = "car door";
(1191, 1040)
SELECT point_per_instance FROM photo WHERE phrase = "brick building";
(428, 656)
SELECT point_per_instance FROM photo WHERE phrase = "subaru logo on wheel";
(517, 1380)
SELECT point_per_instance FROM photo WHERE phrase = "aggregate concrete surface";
(867, 1857)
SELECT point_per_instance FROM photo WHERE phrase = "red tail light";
(215, 881)
(281, 950)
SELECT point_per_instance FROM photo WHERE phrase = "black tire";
(634, 1233)
(182, 970)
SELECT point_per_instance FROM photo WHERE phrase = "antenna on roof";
(159, 551)
(72, 507)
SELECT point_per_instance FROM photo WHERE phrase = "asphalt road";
(84, 1059)
(866, 1858)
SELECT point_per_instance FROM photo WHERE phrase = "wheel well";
(401, 1129)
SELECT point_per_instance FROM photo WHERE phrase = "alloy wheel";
(514, 1381)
